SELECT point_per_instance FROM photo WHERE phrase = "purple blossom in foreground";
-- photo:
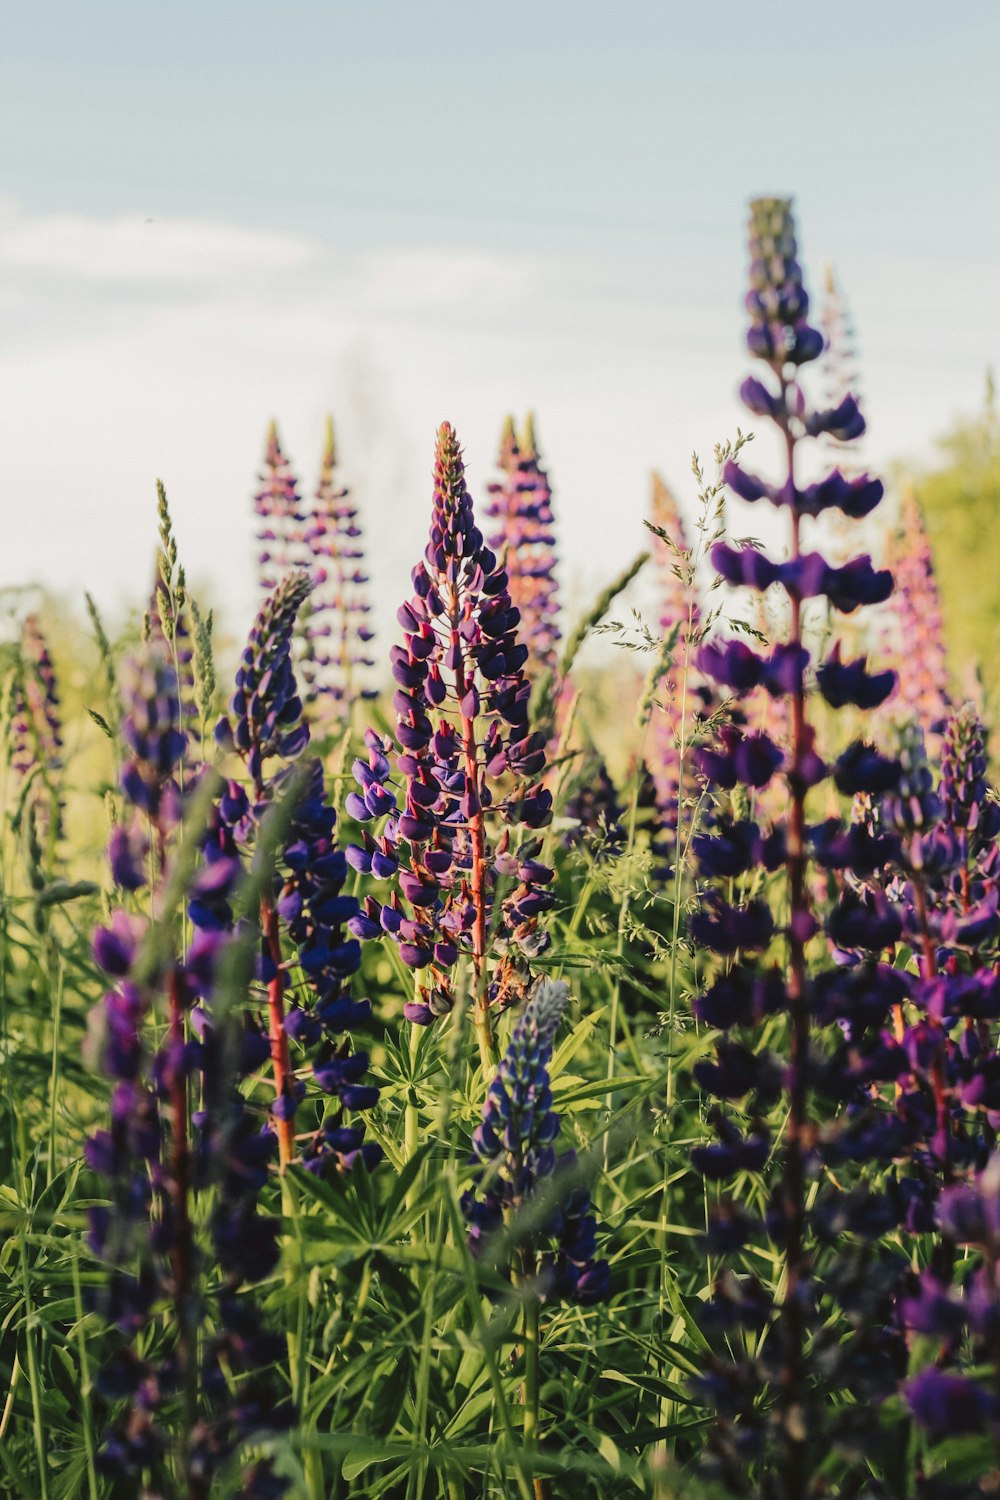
(307, 902)
(336, 657)
(775, 1446)
(515, 1143)
(524, 540)
(159, 1158)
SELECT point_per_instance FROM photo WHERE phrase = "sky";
(406, 211)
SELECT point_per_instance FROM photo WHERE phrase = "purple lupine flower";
(916, 643)
(153, 1167)
(278, 509)
(682, 692)
(467, 760)
(524, 540)
(839, 370)
(946, 1403)
(871, 1355)
(309, 903)
(515, 1143)
(169, 625)
(839, 365)
(595, 814)
(265, 712)
(36, 725)
(37, 716)
(336, 656)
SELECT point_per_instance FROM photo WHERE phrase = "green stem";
(85, 1382)
(34, 1383)
(55, 972)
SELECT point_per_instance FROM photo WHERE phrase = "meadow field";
(531, 1053)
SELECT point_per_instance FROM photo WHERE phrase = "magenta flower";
(524, 540)
(336, 656)
(279, 515)
(467, 770)
(916, 644)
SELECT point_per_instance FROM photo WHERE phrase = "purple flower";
(947, 1405)
(524, 540)
(468, 760)
(516, 1143)
(843, 683)
(336, 658)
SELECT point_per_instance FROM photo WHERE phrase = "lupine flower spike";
(468, 761)
(788, 1442)
(336, 655)
(917, 645)
(36, 727)
(524, 539)
(279, 515)
(158, 1157)
(266, 724)
(515, 1147)
(682, 693)
(524, 1192)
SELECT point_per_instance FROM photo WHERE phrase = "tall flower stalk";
(916, 638)
(36, 755)
(278, 507)
(306, 900)
(523, 538)
(159, 1159)
(781, 337)
(336, 656)
(681, 691)
(467, 763)
(528, 1215)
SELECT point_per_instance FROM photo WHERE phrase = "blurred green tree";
(960, 500)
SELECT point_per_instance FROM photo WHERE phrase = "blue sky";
(406, 212)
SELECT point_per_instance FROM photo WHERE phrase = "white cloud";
(135, 249)
(137, 355)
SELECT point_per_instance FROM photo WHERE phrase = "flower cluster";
(946, 1404)
(37, 721)
(916, 635)
(310, 905)
(521, 1174)
(682, 692)
(805, 1354)
(467, 761)
(594, 813)
(36, 725)
(521, 505)
(336, 649)
(278, 507)
(265, 712)
(160, 1157)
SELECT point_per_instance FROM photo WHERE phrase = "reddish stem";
(477, 839)
(280, 1060)
(798, 1120)
(181, 1252)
